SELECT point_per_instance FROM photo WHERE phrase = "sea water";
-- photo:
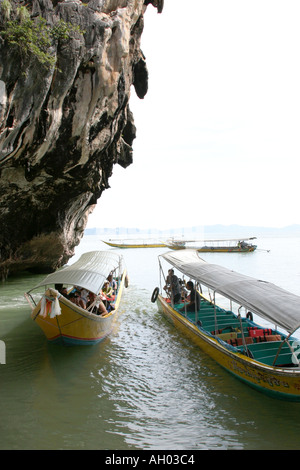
(144, 387)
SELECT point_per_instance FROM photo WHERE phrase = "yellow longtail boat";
(264, 358)
(65, 322)
(134, 244)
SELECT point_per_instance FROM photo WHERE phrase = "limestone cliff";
(63, 126)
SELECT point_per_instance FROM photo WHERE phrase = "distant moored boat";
(238, 245)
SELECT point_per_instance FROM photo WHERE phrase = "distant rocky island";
(230, 231)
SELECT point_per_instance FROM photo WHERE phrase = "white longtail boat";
(61, 320)
(129, 243)
(233, 245)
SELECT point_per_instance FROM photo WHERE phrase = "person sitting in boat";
(76, 299)
(95, 305)
(61, 289)
(83, 293)
(107, 296)
(107, 290)
(193, 298)
(112, 283)
(173, 287)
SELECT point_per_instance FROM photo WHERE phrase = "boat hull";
(276, 382)
(220, 249)
(138, 245)
(76, 326)
(226, 249)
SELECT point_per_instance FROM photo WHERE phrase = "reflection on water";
(144, 387)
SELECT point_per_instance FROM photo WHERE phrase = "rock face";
(63, 127)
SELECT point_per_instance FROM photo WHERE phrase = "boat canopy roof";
(90, 271)
(214, 240)
(263, 298)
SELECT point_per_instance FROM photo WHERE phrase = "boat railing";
(286, 340)
(232, 332)
(225, 325)
(227, 331)
(30, 300)
(243, 336)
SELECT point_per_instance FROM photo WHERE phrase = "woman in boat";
(83, 293)
(194, 299)
(76, 299)
(107, 290)
(112, 283)
(95, 305)
(107, 296)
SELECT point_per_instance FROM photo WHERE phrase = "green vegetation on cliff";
(34, 37)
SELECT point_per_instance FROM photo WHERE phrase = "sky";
(218, 131)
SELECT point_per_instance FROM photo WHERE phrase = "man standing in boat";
(194, 299)
(173, 287)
